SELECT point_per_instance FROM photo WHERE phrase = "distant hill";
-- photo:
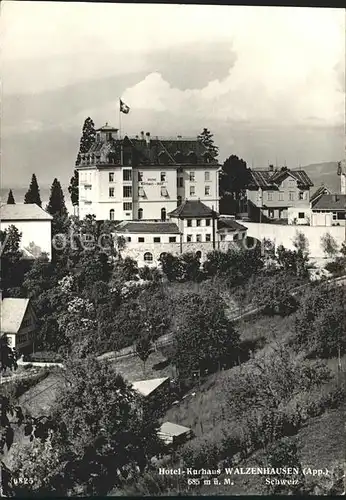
(324, 173)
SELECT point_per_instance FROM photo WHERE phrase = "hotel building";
(144, 177)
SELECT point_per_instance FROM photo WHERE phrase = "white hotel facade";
(144, 178)
(163, 195)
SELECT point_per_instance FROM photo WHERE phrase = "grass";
(131, 368)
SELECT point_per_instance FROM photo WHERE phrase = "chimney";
(147, 138)
(271, 168)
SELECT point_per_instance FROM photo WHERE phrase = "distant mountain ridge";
(324, 173)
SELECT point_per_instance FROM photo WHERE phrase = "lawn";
(131, 368)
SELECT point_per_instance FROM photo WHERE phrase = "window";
(179, 199)
(140, 213)
(208, 237)
(180, 182)
(157, 239)
(301, 215)
(207, 222)
(198, 222)
(270, 196)
(26, 323)
(164, 191)
(301, 195)
(207, 176)
(163, 214)
(108, 136)
(189, 238)
(141, 192)
(192, 191)
(198, 238)
(111, 192)
(140, 176)
(335, 215)
(127, 174)
(128, 239)
(281, 196)
(222, 237)
(127, 191)
(271, 213)
(291, 195)
(198, 254)
(207, 190)
(111, 176)
(140, 239)
(192, 176)
(189, 223)
(111, 214)
(236, 237)
(172, 239)
(127, 205)
(163, 176)
(148, 257)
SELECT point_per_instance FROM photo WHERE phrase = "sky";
(269, 82)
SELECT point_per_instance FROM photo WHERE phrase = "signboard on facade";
(151, 183)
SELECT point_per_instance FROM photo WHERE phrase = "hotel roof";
(23, 211)
(148, 227)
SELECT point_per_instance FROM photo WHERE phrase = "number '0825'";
(22, 480)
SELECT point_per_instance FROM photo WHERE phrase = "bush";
(18, 387)
(45, 357)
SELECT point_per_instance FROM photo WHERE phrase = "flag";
(339, 171)
(124, 108)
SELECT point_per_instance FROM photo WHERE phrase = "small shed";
(174, 434)
(156, 394)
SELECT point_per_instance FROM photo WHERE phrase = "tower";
(342, 174)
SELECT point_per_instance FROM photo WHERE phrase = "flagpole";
(119, 119)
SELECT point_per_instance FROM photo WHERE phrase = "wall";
(293, 215)
(284, 235)
(137, 250)
(35, 231)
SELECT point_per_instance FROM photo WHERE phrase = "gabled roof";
(192, 209)
(170, 429)
(12, 314)
(23, 211)
(331, 202)
(267, 179)
(318, 193)
(230, 224)
(146, 387)
(147, 227)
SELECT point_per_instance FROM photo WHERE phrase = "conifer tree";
(10, 199)
(56, 205)
(206, 138)
(86, 141)
(33, 193)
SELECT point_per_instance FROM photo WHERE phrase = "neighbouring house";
(279, 195)
(192, 227)
(329, 210)
(318, 193)
(144, 177)
(18, 323)
(155, 393)
(35, 225)
(174, 434)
